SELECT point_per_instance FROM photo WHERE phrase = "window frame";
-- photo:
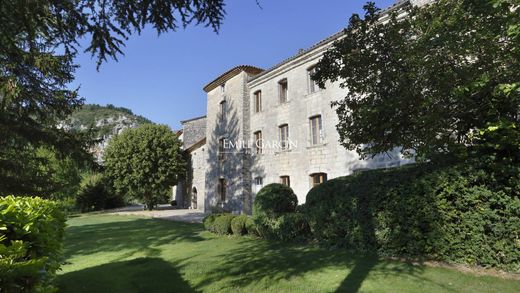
(259, 147)
(313, 127)
(283, 91)
(223, 110)
(313, 86)
(222, 189)
(321, 176)
(284, 143)
(257, 98)
(285, 180)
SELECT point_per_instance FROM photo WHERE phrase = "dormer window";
(283, 89)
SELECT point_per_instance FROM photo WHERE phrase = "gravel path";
(165, 212)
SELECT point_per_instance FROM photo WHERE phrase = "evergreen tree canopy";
(38, 42)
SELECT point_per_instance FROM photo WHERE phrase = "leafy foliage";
(31, 234)
(95, 194)
(238, 225)
(458, 213)
(222, 224)
(38, 43)
(144, 162)
(425, 82)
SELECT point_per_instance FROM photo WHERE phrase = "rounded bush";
(222, 224)
(208, 222)
(292, 227)
(238, 225)
(251, 227)
(275, 199)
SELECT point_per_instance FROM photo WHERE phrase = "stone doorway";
(194, 198)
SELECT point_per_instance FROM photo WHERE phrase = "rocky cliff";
(103, 122)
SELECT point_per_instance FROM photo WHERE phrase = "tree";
(144, 162)
(38, 42)
(426, 83)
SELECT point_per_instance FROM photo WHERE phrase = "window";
(259, 181)
(221, 149)
(258, 101)
(285, 180)
(284, 136)
(258, 142)
(316, 130)
(223, 87)
(222, 110)
(282, 90)
(318, 178)
(313, 85)
(222, 189)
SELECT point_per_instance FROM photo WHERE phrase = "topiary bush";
(222, 224)
(208, 222)
(454, 213)
(31, 236)
(292, 227)
(275, 199)
(270, 203)
(238, 225)
(251, 227)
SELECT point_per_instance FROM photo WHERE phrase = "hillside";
(104, 122)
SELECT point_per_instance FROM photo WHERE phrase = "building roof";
(230, 74)
(192, 119)
(397, 5)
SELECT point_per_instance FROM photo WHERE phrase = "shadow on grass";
(139, 235)
(137, 275)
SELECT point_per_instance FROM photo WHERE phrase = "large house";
(268, 126)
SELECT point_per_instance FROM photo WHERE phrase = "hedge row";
(31, 234)
(225, 224)
(456, 214)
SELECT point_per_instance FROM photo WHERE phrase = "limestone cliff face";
(104, 122)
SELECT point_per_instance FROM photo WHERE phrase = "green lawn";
(129, 254)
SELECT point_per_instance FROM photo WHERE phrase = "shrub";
(292, 227)
(94, 194)
(452, 213)
(222, 224)
(238, 225)
(208, 222)
(30, 243)
(251, 227)
(270, 203)
(275, 199)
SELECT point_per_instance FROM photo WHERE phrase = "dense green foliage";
(144, 162)
(291, 227)
(274, 199)
(31, 235)
(238, 225)
(426, 82)
(459, 213)
(95, 194)
(208, 221)
(251, 227)
(271, 203)
(88, 116)
(222, 224)
(38, 43)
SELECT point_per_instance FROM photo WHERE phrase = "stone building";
(273, 126)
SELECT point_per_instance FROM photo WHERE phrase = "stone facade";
(234, 170)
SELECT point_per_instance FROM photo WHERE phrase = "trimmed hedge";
(222, 224)
(457, 214)
(292, 227)
(208, 222)
(238, 225)
(275, 199)
(31, 236)
(251, 227)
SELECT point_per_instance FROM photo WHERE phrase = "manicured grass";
(129, 254)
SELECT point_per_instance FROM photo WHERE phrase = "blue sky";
(161, 77)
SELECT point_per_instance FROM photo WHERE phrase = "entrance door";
(194, 198)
